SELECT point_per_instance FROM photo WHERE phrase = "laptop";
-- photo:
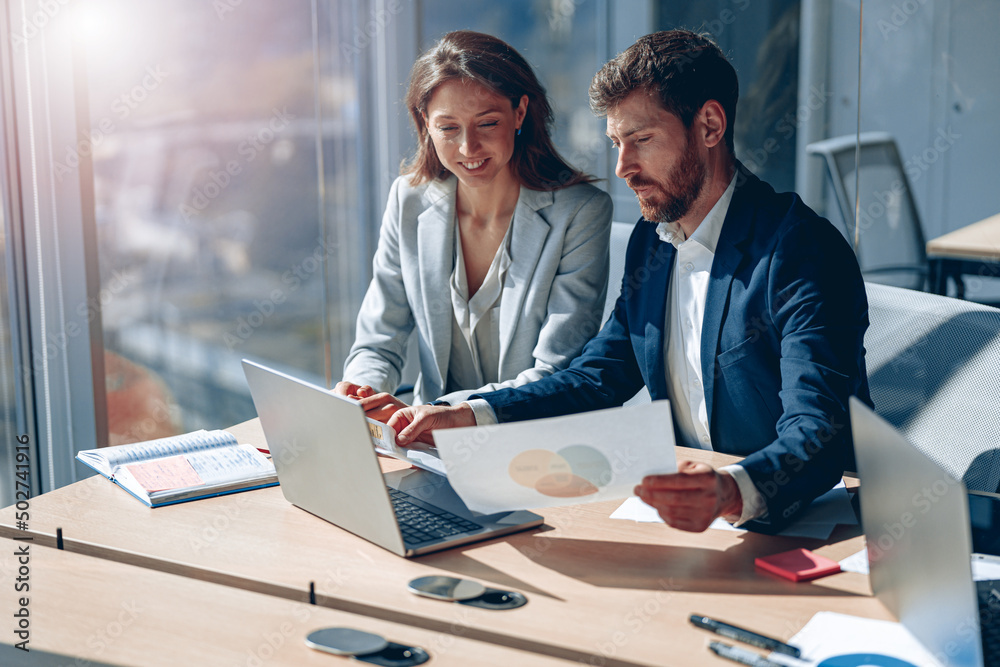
(916, 521)
(326, 463)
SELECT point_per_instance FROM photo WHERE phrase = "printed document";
(580, 458)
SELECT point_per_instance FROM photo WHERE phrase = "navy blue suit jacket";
(782, 346)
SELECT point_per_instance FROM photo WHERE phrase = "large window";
(226, 183)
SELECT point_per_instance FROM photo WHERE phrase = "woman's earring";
(518, 131)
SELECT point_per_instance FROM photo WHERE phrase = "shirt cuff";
(753, 503)
(483, 411)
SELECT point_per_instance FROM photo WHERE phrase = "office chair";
(934, 369)
(891, 248)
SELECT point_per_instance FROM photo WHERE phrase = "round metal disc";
(345, 641)
(446, 588)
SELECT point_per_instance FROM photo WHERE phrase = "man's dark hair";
(683, 69)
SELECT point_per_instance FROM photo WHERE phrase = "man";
(740, 305)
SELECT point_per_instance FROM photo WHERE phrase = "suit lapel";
(660, 255)
(728, 255)
(435, 253)
(527, 239)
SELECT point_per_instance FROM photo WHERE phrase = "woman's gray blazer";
(551, 303)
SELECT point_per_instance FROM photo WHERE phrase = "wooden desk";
(601, 591)
(971, 250)
(103, 611)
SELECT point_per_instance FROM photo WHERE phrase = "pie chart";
(571, 472)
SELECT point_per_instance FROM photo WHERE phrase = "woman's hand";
(351, 390)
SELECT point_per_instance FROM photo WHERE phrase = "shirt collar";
(707, 233)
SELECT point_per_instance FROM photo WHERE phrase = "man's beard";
(680, 189)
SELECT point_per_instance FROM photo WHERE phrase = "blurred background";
(188, 183)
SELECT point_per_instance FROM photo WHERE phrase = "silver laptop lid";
(916, 521)
(323, 454)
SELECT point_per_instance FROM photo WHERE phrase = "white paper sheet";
(984, 568)
(856, 563)
(418, 454)
(580, 458)
(833, 637)
(817, 521)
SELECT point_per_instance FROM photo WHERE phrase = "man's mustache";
(636, 182)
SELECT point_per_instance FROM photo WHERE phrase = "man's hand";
(352, 390)
(693, 497)
(381, 407)
(414, 424)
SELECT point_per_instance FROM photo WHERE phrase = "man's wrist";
(465, 413)
(731, 499)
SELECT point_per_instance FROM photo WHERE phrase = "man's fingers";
(381, 414)
(678, 482)
(376, 401)
(400, 420)
(678, 499)
(414, 426)
(689, 475)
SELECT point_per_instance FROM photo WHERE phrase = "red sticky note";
(798, 565)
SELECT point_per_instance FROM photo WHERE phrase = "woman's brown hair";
(464, 55)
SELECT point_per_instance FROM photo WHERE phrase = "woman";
(492, 246)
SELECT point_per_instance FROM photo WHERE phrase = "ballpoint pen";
(740, 655)
(744, 635)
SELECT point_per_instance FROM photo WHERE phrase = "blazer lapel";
(527, 240)
(654, 299)
(728, 256)
(435, 253)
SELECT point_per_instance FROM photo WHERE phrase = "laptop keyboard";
(424, 522)
(989, 615)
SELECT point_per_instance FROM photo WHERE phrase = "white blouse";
(475, 339)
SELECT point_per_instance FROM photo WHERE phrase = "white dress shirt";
(685, 312)
(475, 339)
